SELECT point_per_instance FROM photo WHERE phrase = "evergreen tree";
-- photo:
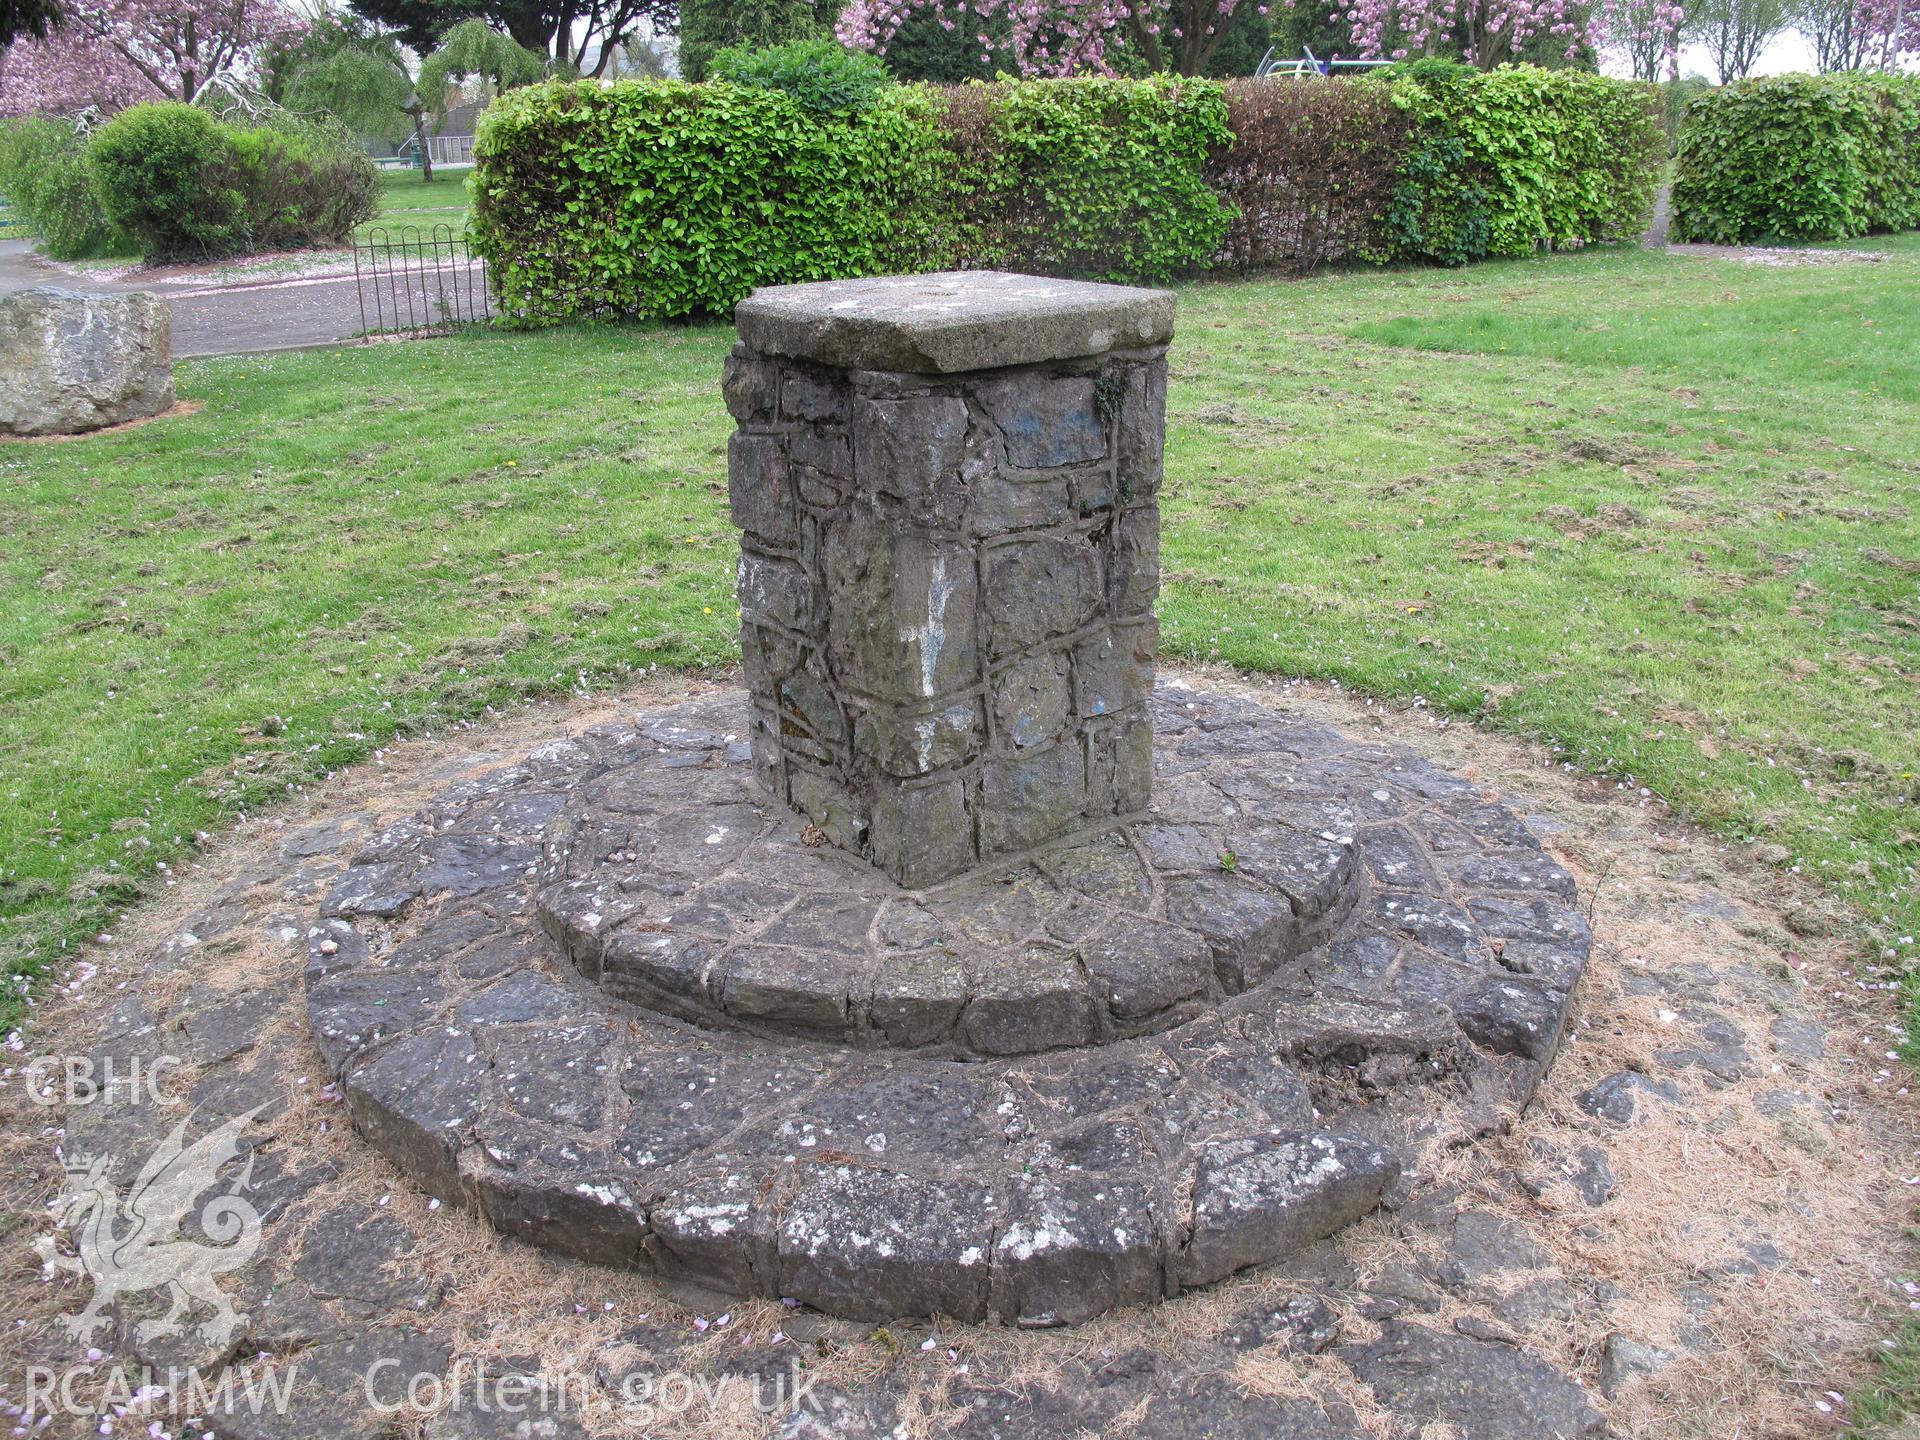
(27, 17)
(709, 26)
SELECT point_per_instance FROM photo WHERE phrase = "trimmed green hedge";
(664, 199)
(1564, 158)
(1800, 157)
(658, 198)
(1094, 177)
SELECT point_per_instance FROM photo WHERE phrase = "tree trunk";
(420, 139)
(1145, 41)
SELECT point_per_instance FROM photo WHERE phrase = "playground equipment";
(1308, 66)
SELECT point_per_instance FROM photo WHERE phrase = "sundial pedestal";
(956, 967)
(948, 488)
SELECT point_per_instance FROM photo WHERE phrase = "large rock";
(71, 362)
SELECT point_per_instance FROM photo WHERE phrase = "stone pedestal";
(948, 487)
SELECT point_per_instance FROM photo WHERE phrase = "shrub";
(300, 190)
(1607, 158)
(164, 176)
(658, 198)
(1432, 72)
(1438, 211)
(188, 186)
(305, 180)
(1890, 149)
(709, 26)
(822, 74)
(1800, 157)
(44, 173)
(1308, 173)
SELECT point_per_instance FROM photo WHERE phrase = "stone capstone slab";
(71, 362)
(626, 1007)
(945, 323)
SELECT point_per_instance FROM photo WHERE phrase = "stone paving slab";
(613, 999)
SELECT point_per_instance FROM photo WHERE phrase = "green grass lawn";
(406, 199)
(1656, 511)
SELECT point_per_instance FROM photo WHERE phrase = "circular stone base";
(680, 888)
(1125, 1065)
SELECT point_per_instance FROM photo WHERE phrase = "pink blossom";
(1646, 33)
(1488, 32)
(114, 53)
(1062, 37)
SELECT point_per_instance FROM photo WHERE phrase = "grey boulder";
(71, 362)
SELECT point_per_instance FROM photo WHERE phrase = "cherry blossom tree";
(1646, 33)
(1484, 33)
(114, 53)
(1895, 27)
(1060, 37)
(1860, 34)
